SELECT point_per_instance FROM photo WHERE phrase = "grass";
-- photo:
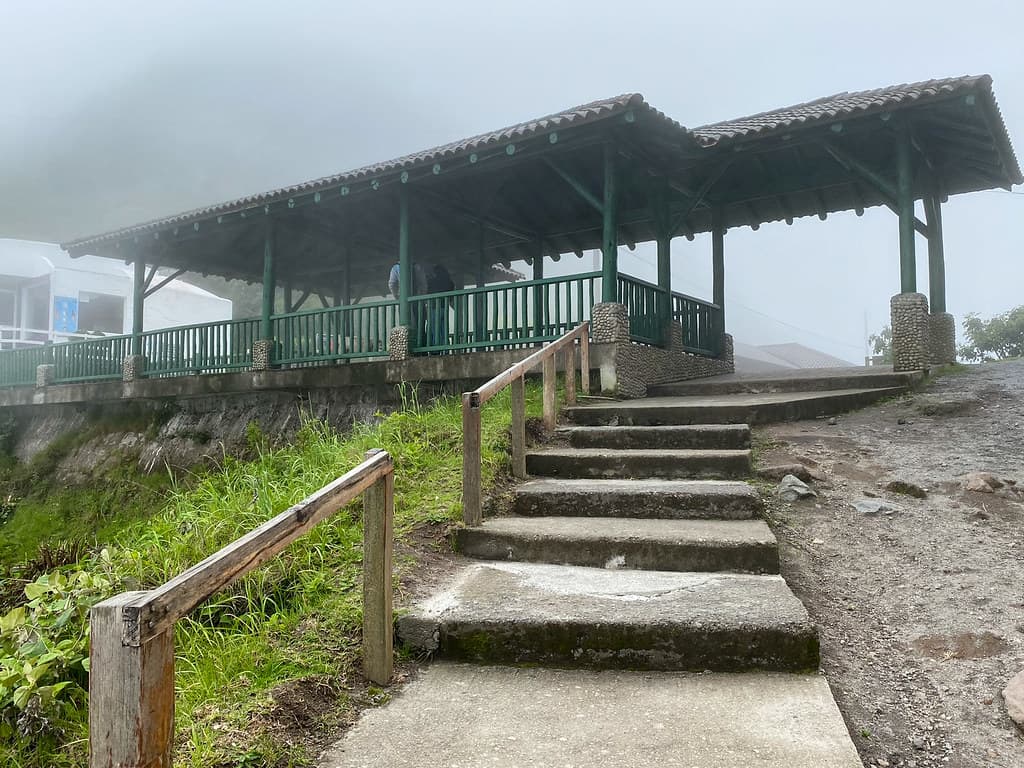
(281, 645)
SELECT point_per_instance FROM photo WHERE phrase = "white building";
(45, 295)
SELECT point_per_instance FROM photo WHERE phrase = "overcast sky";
(116, 112)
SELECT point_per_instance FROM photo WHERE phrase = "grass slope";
(283, 643)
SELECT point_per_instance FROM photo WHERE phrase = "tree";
(998, 338)
(881, 344)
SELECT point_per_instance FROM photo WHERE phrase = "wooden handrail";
(131, 679)
(472, 513)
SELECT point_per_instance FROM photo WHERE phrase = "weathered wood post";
(518, 427)
(570, 374)
(472, 513)
(378, 536)
(131, 692)
(585, 360)
(548, 369)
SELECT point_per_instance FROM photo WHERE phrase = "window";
(100, 313)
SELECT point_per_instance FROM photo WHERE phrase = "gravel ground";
(921, 610)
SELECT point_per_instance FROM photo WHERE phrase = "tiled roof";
(837, 107)
(820, 111)
(579, 115)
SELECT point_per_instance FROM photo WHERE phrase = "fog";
(112, 113)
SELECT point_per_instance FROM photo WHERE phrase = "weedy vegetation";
(268, 666)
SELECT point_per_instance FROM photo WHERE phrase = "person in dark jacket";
(439, 281)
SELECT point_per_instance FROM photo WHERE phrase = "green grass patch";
(282, 644)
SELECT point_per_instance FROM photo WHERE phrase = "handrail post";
(570, 374)
(472, 513)
(585, 359)
(548, 368)
(378, 537)
(519, 428)
(131, 691)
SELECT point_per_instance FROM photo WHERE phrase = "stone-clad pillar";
(398, 343)
(609, 323)
(911, 332)
(942, 333)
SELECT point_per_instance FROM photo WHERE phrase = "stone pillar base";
(262, 354)
(132, 367)
(609, 323)
(942, 335)
(398, 343)
(727, 355)
(44, 375)
(911, 336)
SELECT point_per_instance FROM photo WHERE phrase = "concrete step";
(741, 546)
(559, 615)
(721, 436)
(666, 499)
(808, 381)
(728, 409)
(664, 464)
(468, 715)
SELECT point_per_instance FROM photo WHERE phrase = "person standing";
(439, 281)
(418, 318)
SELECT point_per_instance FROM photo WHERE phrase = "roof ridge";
(963, 80)
(580, 114)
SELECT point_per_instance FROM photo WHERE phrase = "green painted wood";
(138, 301)
(700, 323)
(577, 186)
(404, 259)
(268, 281)
(538, 298)
(610, 234)
(718, 265)
(905, 205)
(936, 256)
(506, 321)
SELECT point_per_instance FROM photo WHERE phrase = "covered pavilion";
(598, 176)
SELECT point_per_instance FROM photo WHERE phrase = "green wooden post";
(660, 214)
(479, 301)
(905, 206)
(610, 239)
(138, 304)
(718, 269)
(404, 262)
(936, 256)
(268, 281)
(538, 290)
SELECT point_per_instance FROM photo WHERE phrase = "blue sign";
(65, 314)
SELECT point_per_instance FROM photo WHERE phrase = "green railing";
(334, 333)
(207, 348)
(490, 317)
(501, 316)
(91, 360)
(643, 301)
(701, 322)
(18, 366)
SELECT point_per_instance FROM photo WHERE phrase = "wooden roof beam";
(881, 184)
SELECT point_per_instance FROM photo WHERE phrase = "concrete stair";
(665, 499)
(821, 381)
(728, 409)
(557, 615)
(625, 557)
(648, 544)
(695, 436)
(665, 464)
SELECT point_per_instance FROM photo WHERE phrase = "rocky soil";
(921, 609)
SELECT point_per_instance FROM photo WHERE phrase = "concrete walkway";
(636, 548)
(467, 716)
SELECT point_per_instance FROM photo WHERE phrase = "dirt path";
(921, 611)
